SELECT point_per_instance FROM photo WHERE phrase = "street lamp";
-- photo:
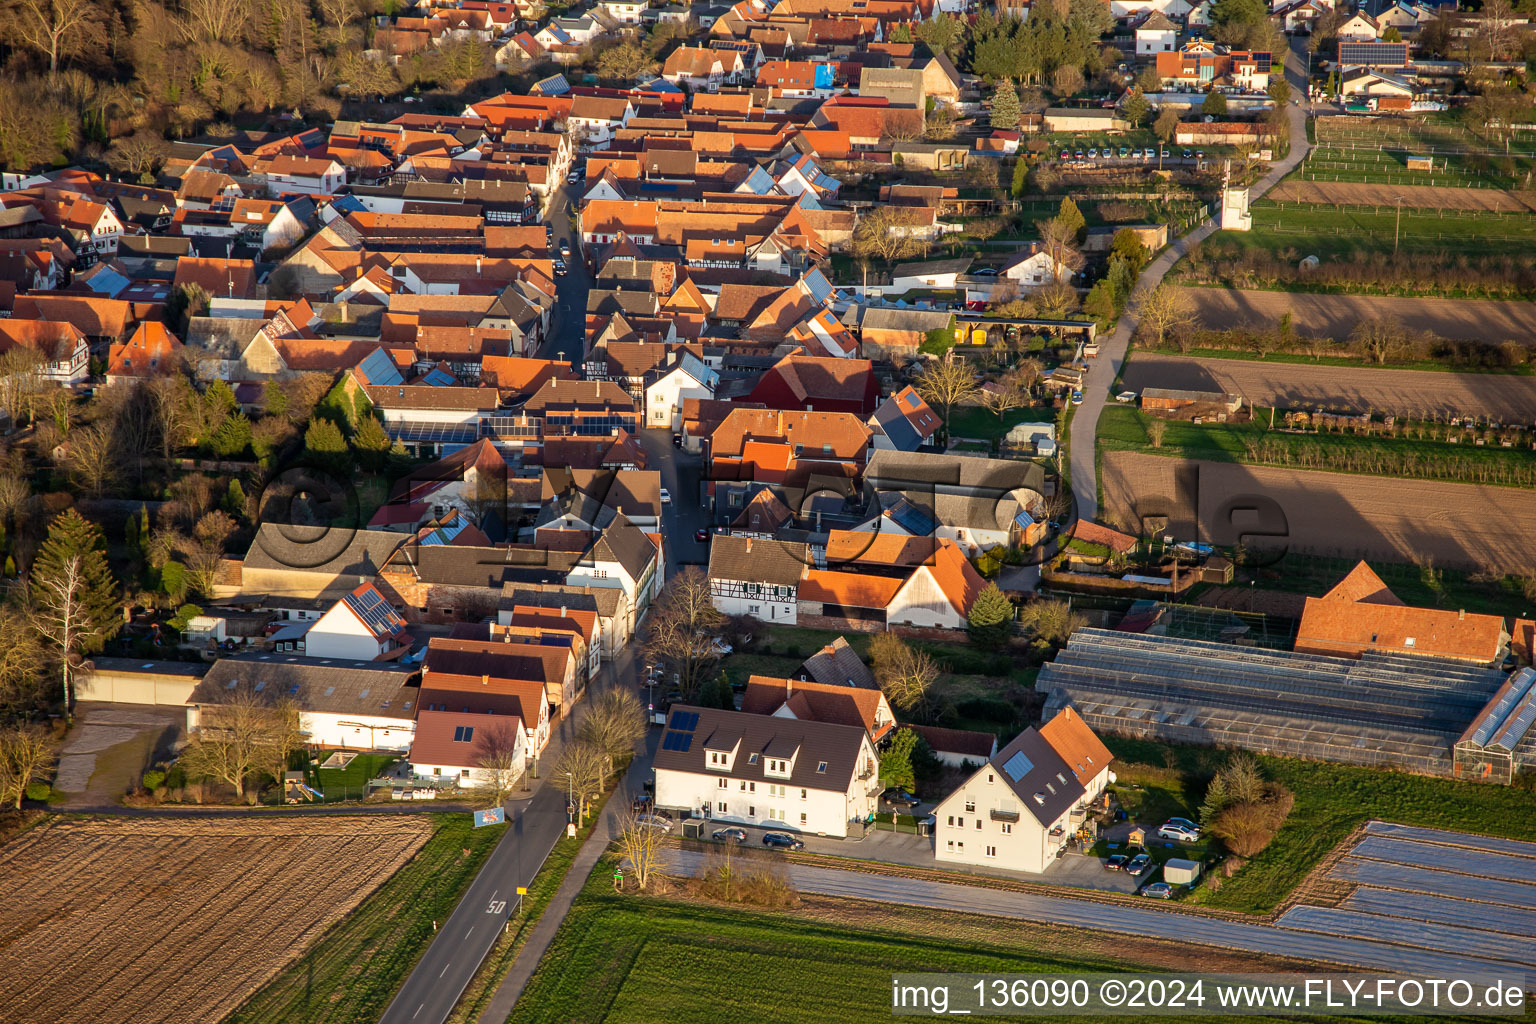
(570, 806)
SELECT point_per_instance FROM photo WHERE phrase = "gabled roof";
(454, 739)
(978, 745)
(1362, 584)
(773, 562)
(1360, 614)
(825, 756)
(333, 685)
(819, 702)
(1042, 780)
(624, 543)
(839, 664)
(1077, 745)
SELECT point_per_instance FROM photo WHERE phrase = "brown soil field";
(130, 921)
(1334, 316)
(1336, 514)
(1427, 197)
(1415, 393)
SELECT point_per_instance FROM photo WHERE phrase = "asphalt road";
(682, 475)
(1150, 922)
(430, 993)
(567, 338)
(1103, 371)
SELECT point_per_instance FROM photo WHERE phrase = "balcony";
(1001, 815)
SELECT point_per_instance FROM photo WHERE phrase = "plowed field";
(138, 921)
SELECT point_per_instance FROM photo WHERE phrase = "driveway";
(110, 748)
(1102, 372)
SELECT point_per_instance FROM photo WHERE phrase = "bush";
(792, 650)
(39, 791)
(154, 779)
(176, 777)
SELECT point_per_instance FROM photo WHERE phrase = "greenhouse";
(1382, 710)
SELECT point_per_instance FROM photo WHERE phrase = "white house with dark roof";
(362, 626)
(765, 770)
(687, 377)
(756, 576)
(1018, 810)
(349, 705)
(623, 557)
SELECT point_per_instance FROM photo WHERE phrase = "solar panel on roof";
(439, 378)
(378, 368)
(678, 741)
(685, 721)
(1018, 766)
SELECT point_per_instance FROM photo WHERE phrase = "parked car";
(1092, 154)
(896, 796)
(1157, 890)
(559, 268)
(1165, 154)
(1077, 398)
(655, 821)
(1187, 154)
(1185, 821)
(666, 496)
(565, 250)
(721, 835)
(1138, 865)
(1066, 154)
(642, 804)
(702, 536)
(1124, 152)
(1126, 396)
(782, 841)
(1179, 833)
(1199, 154)
(1115, 862)
(1080, 154)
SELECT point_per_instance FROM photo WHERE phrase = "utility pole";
(1397, 226)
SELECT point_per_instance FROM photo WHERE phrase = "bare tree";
(234, 739)
(500, 755)
(1164, 310)
(904, 126)
(219, 20)
(137, 154)
(1010, 392)
(92, 458)
(20, 380)
(684, 623)
(27, 755)
(641, 845)
(584, 769)
(1156, 430)
(614, 721)
(904, 673)
(946, 383)
(340, 13)
(1055, 300)
(1380, 339)
(54, 28)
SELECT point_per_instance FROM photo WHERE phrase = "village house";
(767, 771)
(756, 577)
(813, 701)
(1018, 810)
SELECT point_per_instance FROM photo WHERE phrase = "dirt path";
(1341, 388)
(1422, 197)
(1335, 316)
(1457, 525)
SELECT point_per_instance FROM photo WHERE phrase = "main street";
(535, 824)
(568, 323)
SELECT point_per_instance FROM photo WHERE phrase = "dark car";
(721, 835)
(702, 536)
(1115, 862)
(565, 250)
(677, 440)
(1138, 865)
(782, 841)
(900, 797)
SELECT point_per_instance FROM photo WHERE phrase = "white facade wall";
(921, 602)
(964, 832)
(664, 399)
(731, 597)
(768, 804)
(1155, 41)
(340, 634)
(357, 732)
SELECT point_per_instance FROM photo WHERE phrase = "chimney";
(1461, 614)
(485, 680)
(562, 611)
(749, 545)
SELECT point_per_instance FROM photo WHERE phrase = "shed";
(1137, 837)
(133, 681)
(1421, 163)
(1178, 871)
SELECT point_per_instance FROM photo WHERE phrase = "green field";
(1321, 230)
(634, 960)
(352, 972)
(974, 421)
(1122, 428)
(1330, 801)
(1390, 167)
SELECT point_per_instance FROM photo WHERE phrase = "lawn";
(1390, 167)
(1330, 801)
(1323, 230)
(974, 421)
(352, 972)
(635, 960)
(1122, 428)
(351, 782)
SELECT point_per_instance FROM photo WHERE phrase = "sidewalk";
(528, 958)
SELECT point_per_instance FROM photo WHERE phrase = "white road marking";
(418, 1010)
